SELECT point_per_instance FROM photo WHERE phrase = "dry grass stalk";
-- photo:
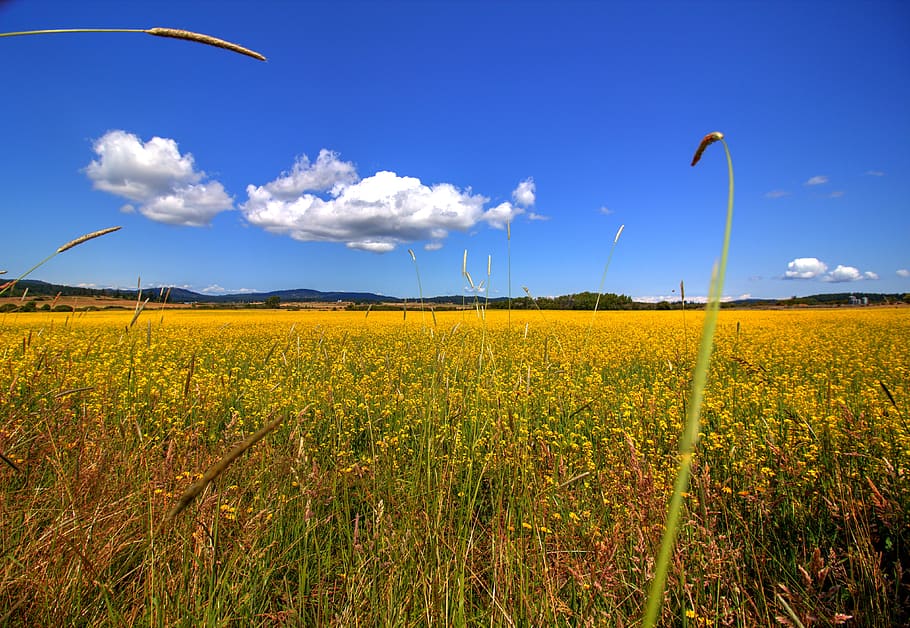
(177, 33)
(86, 238)
(218, 468)
(174, 33)
(139, 308)
(706, 141)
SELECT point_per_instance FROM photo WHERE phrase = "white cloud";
(674, 298)
(606, 211)
(817, 180)
(836, 194)
(373, 246)
(844, 273)
(322, 176)
(805, 268)
(524, 194)
(776, 194)
(903, 272)
(814, 268)
(875, 173)
(372, 214)
(213, 289)
(498, 216)
(155, 175)
(536, 216)
(432, 246)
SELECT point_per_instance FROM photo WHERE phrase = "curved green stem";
(690, 435)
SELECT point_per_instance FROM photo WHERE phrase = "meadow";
(510, 469)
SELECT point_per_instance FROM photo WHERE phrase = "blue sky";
(378, 127)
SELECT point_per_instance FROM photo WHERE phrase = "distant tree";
(273, 302)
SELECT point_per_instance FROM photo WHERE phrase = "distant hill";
(580, 301)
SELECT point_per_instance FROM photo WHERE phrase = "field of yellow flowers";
(506, 469)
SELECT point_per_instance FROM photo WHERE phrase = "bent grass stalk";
(218, 468)
(66, 247)
(174, 33)
(689, 438)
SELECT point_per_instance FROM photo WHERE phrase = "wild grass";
(415, 491)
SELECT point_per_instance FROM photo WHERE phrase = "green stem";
(689, 439)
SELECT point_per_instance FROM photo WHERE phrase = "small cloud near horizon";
(903, 272)
(674, 298)
(808, 268)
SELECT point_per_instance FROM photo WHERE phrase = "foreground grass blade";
(689, 438)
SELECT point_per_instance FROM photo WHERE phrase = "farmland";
(506, 469)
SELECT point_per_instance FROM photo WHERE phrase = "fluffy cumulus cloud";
(327, 201)
(163, 183)
(903, 272)
(817, 180)
(805, 268)
(525, 193)
(814, 268)
(327, 173)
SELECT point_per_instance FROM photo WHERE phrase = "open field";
(451, 470)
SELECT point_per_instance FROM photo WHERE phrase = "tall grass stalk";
(66, 247)
(603, 280)
(174, 33)
(509, 261)
(689, 438)
(419, 288)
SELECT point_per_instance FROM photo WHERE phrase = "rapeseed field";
(462, 468)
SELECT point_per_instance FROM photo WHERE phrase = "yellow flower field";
(511, 469)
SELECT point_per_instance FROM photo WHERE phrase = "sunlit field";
(434, 470)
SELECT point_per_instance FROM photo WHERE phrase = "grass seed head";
(706, 141)
(86, 238)
(177, 33)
